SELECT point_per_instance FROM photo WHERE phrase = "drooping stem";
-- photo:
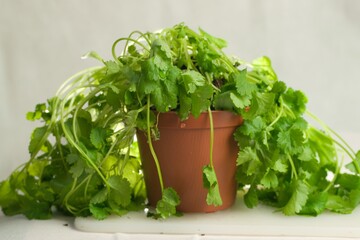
(211, 138)
(156, 160)
(342, 144)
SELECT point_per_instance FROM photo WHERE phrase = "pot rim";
(221, 119)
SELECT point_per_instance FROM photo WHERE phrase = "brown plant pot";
(183, 150)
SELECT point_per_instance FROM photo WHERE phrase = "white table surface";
(60, 227)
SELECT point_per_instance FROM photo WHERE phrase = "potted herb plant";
(84, 160)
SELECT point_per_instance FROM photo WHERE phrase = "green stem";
(337, 171)
(151, 146)
(342, 144)
(279, 115)
(127, 40)
(293, 173)
(211, 137)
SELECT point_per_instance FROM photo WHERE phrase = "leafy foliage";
(84, 160)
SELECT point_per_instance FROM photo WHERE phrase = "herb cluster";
(84, 160)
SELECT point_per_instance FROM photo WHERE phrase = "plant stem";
(211, 137)
(293, 173)
(342, 144)
(151, 146)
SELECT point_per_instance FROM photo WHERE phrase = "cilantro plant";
(84, 160)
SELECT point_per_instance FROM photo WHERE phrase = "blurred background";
(314, 47)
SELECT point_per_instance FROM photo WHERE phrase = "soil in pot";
(183, 150)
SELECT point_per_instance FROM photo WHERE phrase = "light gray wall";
(314, 46)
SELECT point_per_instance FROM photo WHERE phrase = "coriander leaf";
(166, 206)
(100, 197)
(263, 66)
(299, 196)
(338, 204)
(291, 141)
(120, 190)
(37, 138)
(8, 195)
(239, 101)
(323, 145)
(253, 127)
(251, 199)
(98, 137)
(150, 76)
(112, 67)
(270, 180)
(200, 100)
(36, 168)
(348, 181)
(220, 43)
(315, 204)
(37, 114)
(161, 48)
(191, 80)
(295, 100)
(210, 182)
(249, 158)
(185, 104)
(261, 104)
(99, 212)
(307, 154)
(355, 197)
(243, 86)
(165, 96)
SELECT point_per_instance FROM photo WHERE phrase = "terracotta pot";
(183, 150)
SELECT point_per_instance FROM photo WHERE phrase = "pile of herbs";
(84, 159)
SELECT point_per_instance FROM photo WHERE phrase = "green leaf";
(295, 100)
(99, 213)
(37, 167)
(249, 158)
(200, 100)
(37, 138)
(338, 204)
(270, 180)
(239, 101)
(112, 67)
(191, 80)
(243, 86)
(261, 104)
(37, 114)
(78, 165)
(315, 205)
(98, 137)
(150, 76)
(263, 65)
(323, 145)
(8, 195)
(166, 206)
(307, 154)
(219, 42)
(210, 182)
(166, 95)
(161, 48)
(253, 127)
(100, 196)
(251, 199)
(297, 201)
(291, 141)
(120, 190)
